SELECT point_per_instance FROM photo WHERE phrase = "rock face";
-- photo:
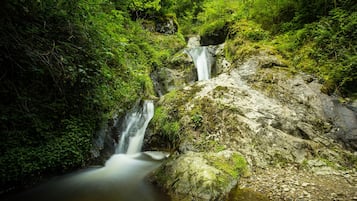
(105, 140)
(272, 117)
(201, 176)
(166, 26)
(193, 42)
(179, 72)
(216, 37)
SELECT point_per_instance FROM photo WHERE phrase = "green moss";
(346, 161)
(280, 160)
(246, 38)
(221, 88)
(168, 121)
(330, 163)
(235, 166)
(350, 161)
(202, 143)
(248, 30)
(166, 127)
(246, 194)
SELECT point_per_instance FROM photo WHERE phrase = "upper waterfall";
(203, 62)
(135, 124)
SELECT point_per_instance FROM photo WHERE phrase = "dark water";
(122, 179)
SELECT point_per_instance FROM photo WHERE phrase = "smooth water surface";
(121, 179)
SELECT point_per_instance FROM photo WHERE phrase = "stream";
(123, 176)
(121, 179)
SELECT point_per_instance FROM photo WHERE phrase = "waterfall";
(202, 60)
(134, 125)
(122, 178)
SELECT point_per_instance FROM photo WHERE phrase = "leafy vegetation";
(317, 37)
(67, 65)
(326, 48)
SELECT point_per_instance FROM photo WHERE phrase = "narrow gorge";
(162, 100)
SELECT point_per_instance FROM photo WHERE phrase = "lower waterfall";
(121, 179)
(135, 124)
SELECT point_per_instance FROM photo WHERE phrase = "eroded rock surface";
(274, 118)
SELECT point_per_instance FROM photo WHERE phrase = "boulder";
(269, 115)
(200, 176)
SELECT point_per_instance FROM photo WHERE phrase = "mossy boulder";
(201, 176)
(178, 71)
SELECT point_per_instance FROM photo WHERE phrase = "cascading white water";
(202, 61)
(121, 179)
(135, 124)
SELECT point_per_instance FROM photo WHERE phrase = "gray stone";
(271, 117)
(199, 176)
(193, 42)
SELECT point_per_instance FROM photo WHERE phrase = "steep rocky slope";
(278, 121)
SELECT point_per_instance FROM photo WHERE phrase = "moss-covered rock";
(177, 72)
(269, 114)
(201, 176)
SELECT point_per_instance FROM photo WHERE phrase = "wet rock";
(179, 72)
(105, 140)
(346, 119)
(193, 42)
(305, 184)
(222, 64)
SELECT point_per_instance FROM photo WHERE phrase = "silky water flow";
(202, 60)
(121, 179)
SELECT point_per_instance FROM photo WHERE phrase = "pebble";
(287, 187)
(305, 184)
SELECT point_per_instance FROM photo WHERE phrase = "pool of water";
(123, 178)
